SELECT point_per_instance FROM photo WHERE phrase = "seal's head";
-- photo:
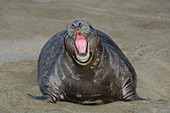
(81, 42)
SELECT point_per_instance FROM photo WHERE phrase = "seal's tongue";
(81, 43)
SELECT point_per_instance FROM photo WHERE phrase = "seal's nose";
(76, 23)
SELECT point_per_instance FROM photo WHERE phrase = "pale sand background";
(141, 28)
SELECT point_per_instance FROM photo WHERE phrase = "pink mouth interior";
(81, 43)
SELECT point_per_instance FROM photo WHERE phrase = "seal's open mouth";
(82, 48)
(81, 43)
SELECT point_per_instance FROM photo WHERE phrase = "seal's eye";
(91, 27)
(79, 24)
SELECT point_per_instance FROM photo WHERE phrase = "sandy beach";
(140, 28)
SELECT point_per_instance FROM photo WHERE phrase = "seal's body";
(83, 65)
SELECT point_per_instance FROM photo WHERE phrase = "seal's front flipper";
(137, 97)
(44, 98)
(129, 92)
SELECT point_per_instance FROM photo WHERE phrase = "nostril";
(79, 24)
(73, 25)
(76, 24)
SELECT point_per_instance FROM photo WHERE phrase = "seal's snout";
(76, 23)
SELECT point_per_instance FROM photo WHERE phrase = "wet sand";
(140, 28)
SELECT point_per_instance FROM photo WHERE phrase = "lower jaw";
(87, 59)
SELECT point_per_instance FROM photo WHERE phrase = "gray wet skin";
(102, 74)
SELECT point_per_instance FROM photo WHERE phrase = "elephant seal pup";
(83, 65)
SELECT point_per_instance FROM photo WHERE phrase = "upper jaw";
(84, 28)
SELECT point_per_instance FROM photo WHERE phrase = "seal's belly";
(83, 91)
